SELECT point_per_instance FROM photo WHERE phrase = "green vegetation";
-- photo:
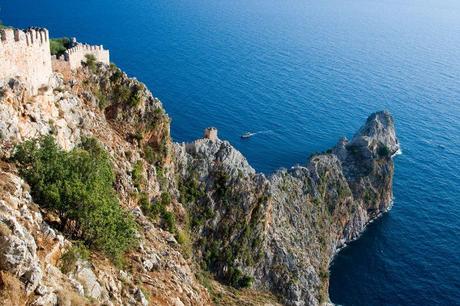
(91, 62)
(102, 100)
(215, 256)
(78, 186)
(149, 154)
(165, 199)
(155, 208)
(151, 210)
(192, 192)
(169, 220)
(158, 208)
(126, 95)
(220, 254)
(238, 279)
(383, 151)
(157, 155)
(117, 73)
(353, 149)
(72, 255)
(183, 238)
(162, 180)
(59, 45)
(137, 175)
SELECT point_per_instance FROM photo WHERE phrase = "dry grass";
(11, 290)
(4, 229)
(225, 295)
(68, 297)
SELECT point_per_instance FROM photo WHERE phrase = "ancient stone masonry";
(210, 133)
(26, 54)
(74, 56)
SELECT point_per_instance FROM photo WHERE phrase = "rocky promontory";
(280, 232)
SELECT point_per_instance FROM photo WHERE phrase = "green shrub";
(169, 220)
(135, 99)
(123, 92)
(162, 179)
(137, 174)
(78, 185)
(102, 100)
(149, 154)
(144, 201)
(353, 149)
(383, 151)
(72, 255)
(117, 73)
(182, 237)
(151, 210)
(237, 279)
(59, 45)
(165, 199)
(126, 95)
(91, 62)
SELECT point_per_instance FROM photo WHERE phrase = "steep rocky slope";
(31, 253)
(202, 211)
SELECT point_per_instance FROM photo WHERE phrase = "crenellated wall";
(77, 54)
(26, 54)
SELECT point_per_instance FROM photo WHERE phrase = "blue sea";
(304, 73)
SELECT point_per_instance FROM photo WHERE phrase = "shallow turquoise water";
(305, 73)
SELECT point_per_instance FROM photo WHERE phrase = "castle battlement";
(84, 47)
(26, 54)
(75, 55)
(29, 36)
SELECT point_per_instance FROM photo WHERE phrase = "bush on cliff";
(383, 151)
(91, 62)
(59, 45)
(78, 186)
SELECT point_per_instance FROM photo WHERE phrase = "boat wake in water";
(249, 134)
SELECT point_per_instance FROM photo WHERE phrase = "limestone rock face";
(18, 253)
(88, 280)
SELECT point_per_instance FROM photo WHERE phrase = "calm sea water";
(305, 73)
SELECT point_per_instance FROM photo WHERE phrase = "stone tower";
(26, 54)
(210, 133)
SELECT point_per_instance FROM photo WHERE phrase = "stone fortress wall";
(26, 54)
(73, 57)
(76, 54)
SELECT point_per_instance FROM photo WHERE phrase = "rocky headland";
(209, 229)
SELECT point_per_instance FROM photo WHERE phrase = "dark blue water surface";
(307, 72)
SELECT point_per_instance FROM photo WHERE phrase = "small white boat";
(247, 135)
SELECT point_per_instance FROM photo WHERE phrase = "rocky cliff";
(210, 229)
